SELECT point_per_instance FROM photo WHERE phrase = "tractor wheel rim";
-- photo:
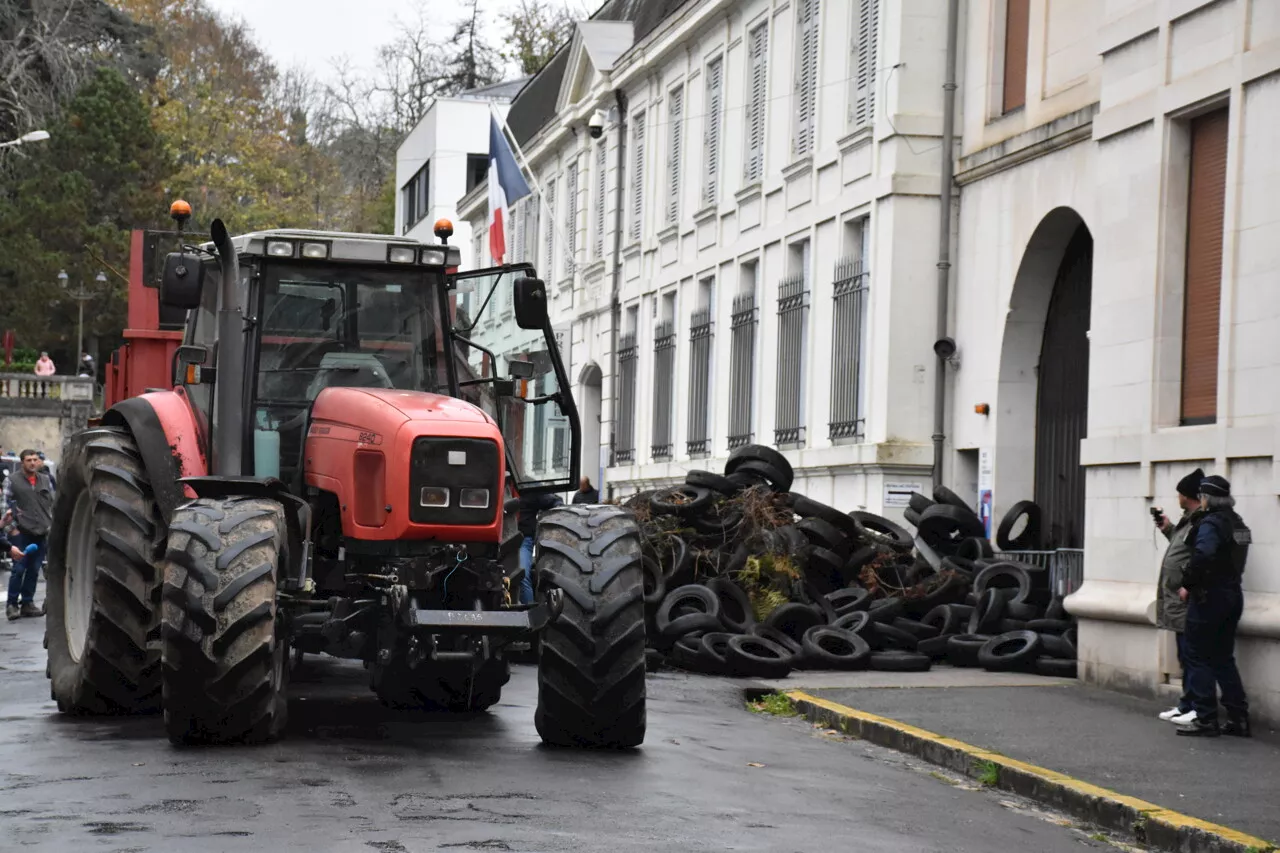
(77, 586)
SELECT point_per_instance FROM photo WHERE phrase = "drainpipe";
(615, 304)
(944, 238)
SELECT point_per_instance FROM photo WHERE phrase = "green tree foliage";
(535, 30)
(73, 203)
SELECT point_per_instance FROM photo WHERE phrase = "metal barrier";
(1064, 565)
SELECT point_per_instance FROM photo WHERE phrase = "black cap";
(1215, 487)
(1189, 485)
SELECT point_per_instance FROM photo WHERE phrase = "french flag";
(506, 187)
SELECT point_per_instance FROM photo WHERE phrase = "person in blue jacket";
(1211, 586)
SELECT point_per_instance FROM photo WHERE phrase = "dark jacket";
(590, 496)
(32, 505)
(1221, 548)
(530, 506)
(1171, 611)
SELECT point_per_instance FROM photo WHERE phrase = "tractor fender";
(297, 512)
(165, 430)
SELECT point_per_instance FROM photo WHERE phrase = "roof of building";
(535, 105)
(503, 89)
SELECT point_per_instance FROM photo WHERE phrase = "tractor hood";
(379, 409)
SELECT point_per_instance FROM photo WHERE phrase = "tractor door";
(516, 374)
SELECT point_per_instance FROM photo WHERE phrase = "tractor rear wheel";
(103, 584)
(225, 665)
(591, 665)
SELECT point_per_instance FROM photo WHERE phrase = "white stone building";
(1114, 298)
(444, 156)
(747, 252)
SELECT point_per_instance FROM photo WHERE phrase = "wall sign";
(899, 494)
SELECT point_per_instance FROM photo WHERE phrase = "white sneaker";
(1187, 719)
(1168, 715)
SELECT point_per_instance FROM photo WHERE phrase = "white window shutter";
(675, 142)
(862, 107)
(715, 97)
(571, 218)
(549, 238)
(637, 177)
(805, 92)
(756, 103)
(601, 189)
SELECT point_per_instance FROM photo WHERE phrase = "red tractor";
(332, 473)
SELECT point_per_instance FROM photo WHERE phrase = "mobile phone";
(1156, 512)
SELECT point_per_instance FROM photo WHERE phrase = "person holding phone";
(1171, 610)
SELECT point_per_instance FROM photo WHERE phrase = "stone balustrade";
(26, 386)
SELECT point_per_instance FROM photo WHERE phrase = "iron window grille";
(742, 336)
(700, 338)
(848, 349)
(664, 368)
(793, 304)
(628, 359)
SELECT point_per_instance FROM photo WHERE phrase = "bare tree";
(471, 62)
(536, 29)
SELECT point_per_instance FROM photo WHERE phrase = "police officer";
(1211, 588)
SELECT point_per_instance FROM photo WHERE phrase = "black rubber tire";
(654, 660)
(855, 622)
(886, 609)
(858, 560)
(116, 672)
(826, 647)
(640, 500)
(794, 619)
(436, 689)
(712, 648)
(975, 548)
(919, 630)
(760, 453)
(900, 661)
(943, 495)
(960, 564)
(591, 671)
(1010, 651)
(818, 601)
(1020, 609)
(911, 516)
(717, 526)
(682, 501)
(672, 625)
(687, 655)
(919, 502)
(943, 527)
(824, 534)
(1056, 609)
(1004, 576)
(777, 479)
(1029, 539)
(882, 636)
(1057, 646)
(735, 607)
(946, 619)
(225, 665)
(806, 507)
(888, 532)
(1049, 626)
(1056, 667)
(655, 585)
(773, 635)
(757, 657)
(1008, 625)
(962, 649)
(935, 647)
(713, 481)
(823, 570)
(849, 600)
(987, 613)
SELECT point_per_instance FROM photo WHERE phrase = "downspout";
(615, 304)
(944, 237)
(228, 438)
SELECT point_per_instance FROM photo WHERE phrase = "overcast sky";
(309, 33)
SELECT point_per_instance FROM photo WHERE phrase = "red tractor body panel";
(359, 445)
(146, 359)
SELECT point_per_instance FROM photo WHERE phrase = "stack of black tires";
(744, 577)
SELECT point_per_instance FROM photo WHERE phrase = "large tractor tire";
(426, 688)
(591, 668)
(103, 582)
(225, 663)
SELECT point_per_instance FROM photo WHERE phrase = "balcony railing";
(25, 386)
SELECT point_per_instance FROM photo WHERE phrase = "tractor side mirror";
(530, 302)
(520, 369)
(182, 282)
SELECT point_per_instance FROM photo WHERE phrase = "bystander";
(28, 497)
(1171, 610)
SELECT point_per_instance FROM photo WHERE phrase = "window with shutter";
(597, 242)
(806, 83)
(549, 235)
(515, 251)
(675, 148)
(715, 117)
(571, 219)
(757, 72)
(637, 175)
(862, 99)
(1017, 20)
(1206, 199)
(531, 228)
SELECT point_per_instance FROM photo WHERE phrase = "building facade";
(1114, 296)
(720, 257)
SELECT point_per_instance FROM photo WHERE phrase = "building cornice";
(1047, 138)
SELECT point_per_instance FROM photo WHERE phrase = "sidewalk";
(1096, 737)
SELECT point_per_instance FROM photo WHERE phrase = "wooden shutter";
(675, 142)
(601, 187)
(637, 176)
(549, 256)
(715, 96)
(1205, 203)
(758, 73)
(806, 73)
(862, 106)
(571, 218)
(1016, 21)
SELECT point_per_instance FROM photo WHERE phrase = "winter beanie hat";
(1189, 486)
(1215, 487)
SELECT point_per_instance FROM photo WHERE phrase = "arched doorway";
(1044, 378)
(589, 402)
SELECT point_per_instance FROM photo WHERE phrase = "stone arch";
(589, 396)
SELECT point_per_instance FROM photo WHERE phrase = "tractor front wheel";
(225, 664)
(591, 665)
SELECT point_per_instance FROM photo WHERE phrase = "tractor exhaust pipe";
(228, 401)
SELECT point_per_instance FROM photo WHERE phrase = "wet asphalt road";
(351, 776)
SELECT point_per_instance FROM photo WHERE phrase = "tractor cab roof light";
(433, 257)
(315, 251)
(401, 254)
(280, 248)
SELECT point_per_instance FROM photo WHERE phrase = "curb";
(1146, 822)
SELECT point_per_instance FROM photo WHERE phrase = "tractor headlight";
(280, 248)
(434, 496)
(474, 499)
(401, 255)
(315, 251)
(433, 257)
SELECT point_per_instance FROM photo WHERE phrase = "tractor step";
(499, 622)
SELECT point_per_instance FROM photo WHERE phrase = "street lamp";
(81, 295)
(33, 136)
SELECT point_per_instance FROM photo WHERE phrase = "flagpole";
(542, 196)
